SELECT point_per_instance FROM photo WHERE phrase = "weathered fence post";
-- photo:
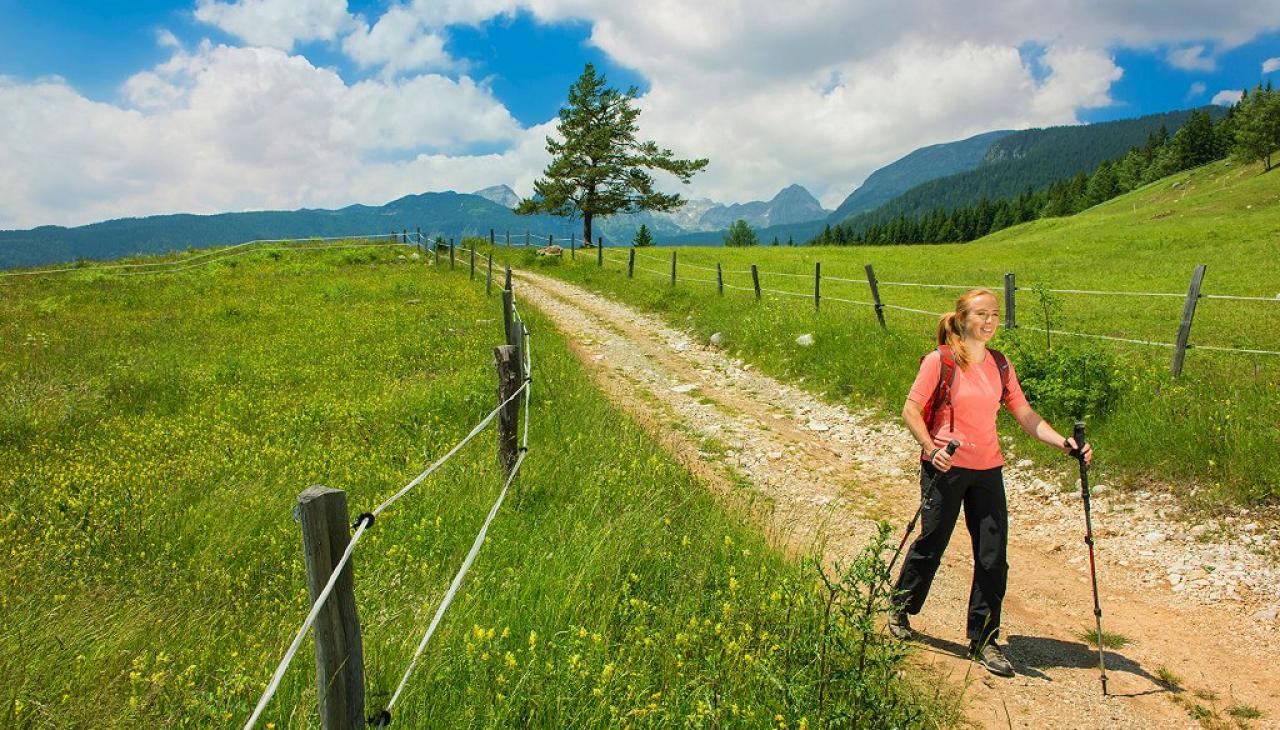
(488, 278)
(719, 280)
(526, 238)
(817, 285)
(631, 262)
(507, 359)
(418, 239)
(491, 238)
(1010, 315)
(1188, 313)
(573, 249)
(435, 252)
(322, 514)
(875, 294)
(508, 239)
(599, 250)
(755, 280)
(404, 235)
(451, 258)
(507, 283)
(673, 268)
(473, 258)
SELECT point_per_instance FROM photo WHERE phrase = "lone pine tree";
(598, 167)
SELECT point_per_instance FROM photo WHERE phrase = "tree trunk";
(586, 228)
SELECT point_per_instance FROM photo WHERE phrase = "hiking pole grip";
(1078, 435)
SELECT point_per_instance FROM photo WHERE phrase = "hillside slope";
(921, 166)
(1028, 160)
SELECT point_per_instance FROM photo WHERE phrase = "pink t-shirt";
(975, 396)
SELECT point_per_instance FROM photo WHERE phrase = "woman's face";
(983, 319)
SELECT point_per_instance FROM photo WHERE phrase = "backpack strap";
(942, 391)
(1002, 365)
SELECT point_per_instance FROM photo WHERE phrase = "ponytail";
(951, 326)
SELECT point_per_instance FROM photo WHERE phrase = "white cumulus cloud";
(1226, 97)
(1271, 64)
(277, 23)
(399, 41)
(1191, 58)
(222, 128)
(1196, 90)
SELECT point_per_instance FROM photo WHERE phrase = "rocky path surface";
(1199, 611)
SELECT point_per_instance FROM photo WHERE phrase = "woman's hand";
(940, 459)
(1069, 445)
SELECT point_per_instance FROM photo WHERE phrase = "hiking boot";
(990, 656)
(900, 627)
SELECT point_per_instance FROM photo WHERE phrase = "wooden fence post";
(573, 248)
(451, 259)
(507, 283)
(488, 278)
(631, 262)
(719, 280)
(755, 280)
(322, 513)
(404, 235)
(526, 238)
(550, 240)
(817, 285)
(435, 252)
(673, 268)
(418, 239)
(599, 250)
(508, 239)
(490, 238)
(1010, 315)
(473, 259)
(507, 359)
(875, 294)
(1188, 313)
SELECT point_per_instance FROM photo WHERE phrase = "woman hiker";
(956, 395)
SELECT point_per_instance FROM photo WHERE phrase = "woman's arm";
(913, 415)
(1037, 427)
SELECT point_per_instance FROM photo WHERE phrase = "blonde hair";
(951, 325)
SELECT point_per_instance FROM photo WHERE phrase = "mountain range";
(995, 164)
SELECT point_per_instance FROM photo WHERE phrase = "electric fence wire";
(453, 586)
(441, 461)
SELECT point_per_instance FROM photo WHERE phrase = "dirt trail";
(826, 473)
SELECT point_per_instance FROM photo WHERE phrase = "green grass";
(1109, 640)
(155, 430)
(1245, 712)
(1201, 434)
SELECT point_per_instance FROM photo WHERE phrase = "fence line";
(366, 520)
(913, 310)
(216, 252)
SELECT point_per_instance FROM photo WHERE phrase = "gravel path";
(818, 475)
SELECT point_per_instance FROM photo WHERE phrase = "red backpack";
(941, 398)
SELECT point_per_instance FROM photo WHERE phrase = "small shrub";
(1077, 380)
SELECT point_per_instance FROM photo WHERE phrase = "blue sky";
(114, 109)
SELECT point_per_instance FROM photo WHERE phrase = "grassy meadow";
(155, 430)
(1204, 433)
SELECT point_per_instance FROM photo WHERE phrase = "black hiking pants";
(981, 493)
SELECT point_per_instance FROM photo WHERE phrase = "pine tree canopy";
(598, 167)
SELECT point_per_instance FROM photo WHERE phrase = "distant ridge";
(448, 214)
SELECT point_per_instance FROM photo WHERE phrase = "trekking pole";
(1088, 540)
(911, 526)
